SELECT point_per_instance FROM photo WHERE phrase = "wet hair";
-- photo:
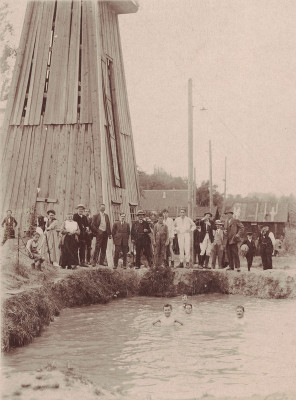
(160, 216)
(168, 305)
(165, 210)
(240, 308)
(51, 212)
(188, 304)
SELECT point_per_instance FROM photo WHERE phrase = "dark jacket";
(12, 224)
(252, 247)
(265, 243)
(120, 233)
(204, 230)
(83, 223)
(96, 221)
(235, 230)
(138, 230)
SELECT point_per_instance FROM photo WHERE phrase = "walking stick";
(48, 248)
(18, 247)
(133, 254)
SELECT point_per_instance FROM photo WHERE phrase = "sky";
(241, 58)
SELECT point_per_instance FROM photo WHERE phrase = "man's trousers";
(184, 246)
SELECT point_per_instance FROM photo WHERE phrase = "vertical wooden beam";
(210, 174)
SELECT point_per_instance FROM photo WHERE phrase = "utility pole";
(190, 162)
(224, 197)
(190, 151)
(194, 192)
(211, 181)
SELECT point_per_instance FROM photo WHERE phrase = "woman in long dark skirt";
(69, 243)
(266, 248)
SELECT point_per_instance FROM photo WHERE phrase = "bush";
(158, 281)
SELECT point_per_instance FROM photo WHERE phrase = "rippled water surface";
(115, 345)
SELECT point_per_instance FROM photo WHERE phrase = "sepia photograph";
(148, 199)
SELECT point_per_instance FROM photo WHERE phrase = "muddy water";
(116, 345)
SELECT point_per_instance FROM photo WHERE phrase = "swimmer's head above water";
(188, 308)
(167, 310)
(240, 311)
(184, 299)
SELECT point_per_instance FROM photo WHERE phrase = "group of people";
(70, 244)
(170, 319)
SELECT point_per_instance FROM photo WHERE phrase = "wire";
(246, 147)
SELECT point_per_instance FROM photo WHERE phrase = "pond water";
(116, 346)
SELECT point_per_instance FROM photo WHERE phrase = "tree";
(203, 195)
(8, 50)
(160, 180)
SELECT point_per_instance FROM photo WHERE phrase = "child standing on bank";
(250, 254)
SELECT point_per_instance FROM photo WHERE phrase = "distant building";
(173, 200)
(254, 215)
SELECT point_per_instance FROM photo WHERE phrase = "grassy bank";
(25, 314)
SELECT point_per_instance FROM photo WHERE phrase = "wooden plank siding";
(15, 79)
(67, 158)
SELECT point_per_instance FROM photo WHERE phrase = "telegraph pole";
(224, 197)
(211, 181)
(190, 162)
(190, 151)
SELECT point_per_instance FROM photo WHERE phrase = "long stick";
(211, 180)
(48, 248)
(18, 247)
(224, 197)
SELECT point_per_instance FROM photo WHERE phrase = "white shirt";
(272, 238)
(184, 225)
(103, 224)
(170, 224)
(71, 226)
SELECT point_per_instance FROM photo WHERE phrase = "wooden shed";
(67, 136)
(173, 200)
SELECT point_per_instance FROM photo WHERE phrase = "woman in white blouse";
(69, 243)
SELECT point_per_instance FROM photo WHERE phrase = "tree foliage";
(203, 195)
(161, 180)
(7, 51)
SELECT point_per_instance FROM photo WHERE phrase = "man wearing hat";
(120, 234)
(218, 245)
(206, 238)
(102, 230)
(83, 225)
(234, 230)
(140, 237)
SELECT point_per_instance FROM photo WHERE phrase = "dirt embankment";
(50, 383)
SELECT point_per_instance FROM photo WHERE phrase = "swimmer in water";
(188, 308)
(240, 313)
(185, 301)
(167, 319)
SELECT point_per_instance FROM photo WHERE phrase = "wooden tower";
(67, 136)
